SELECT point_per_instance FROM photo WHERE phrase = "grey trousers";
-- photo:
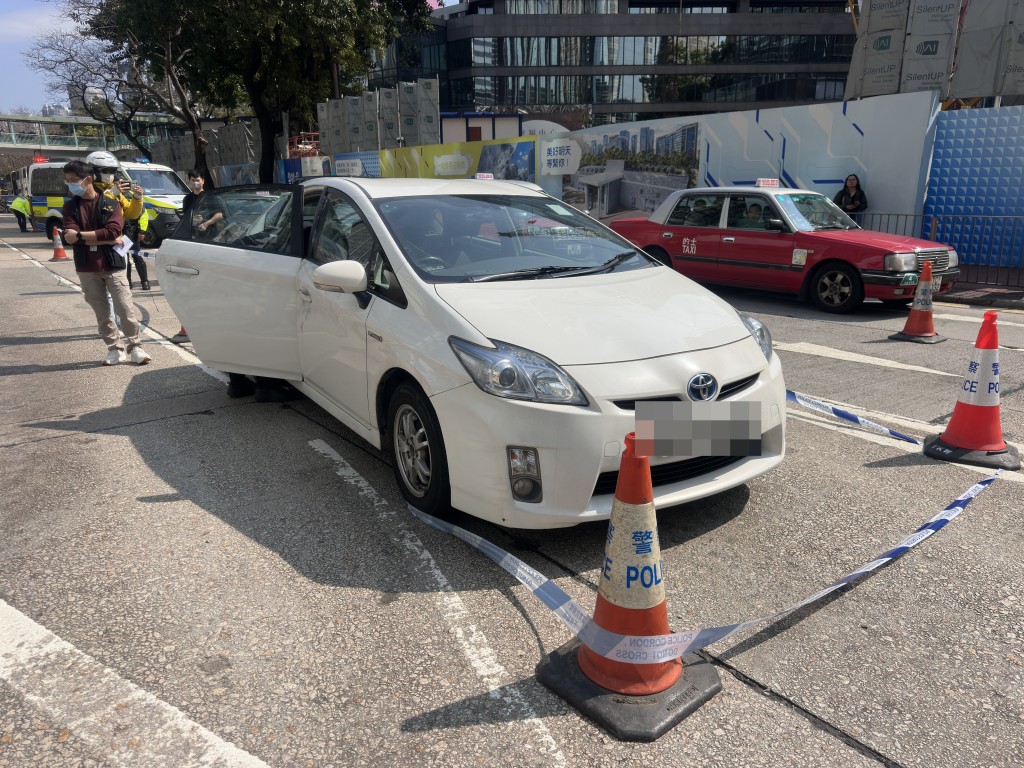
(95, 286)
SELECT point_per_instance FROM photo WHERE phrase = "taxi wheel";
(417, 451)
(660, 255)
(837, 288)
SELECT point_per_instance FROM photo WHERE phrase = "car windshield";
(477, 238)
(159, 182)
(811, 212)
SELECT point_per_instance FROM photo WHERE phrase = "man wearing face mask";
(129, 195)
(92, 223)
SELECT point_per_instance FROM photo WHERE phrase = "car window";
(343, 233)
(810, 211)
(697, 211)
(749, 211)
(467, 238)
(253, 218)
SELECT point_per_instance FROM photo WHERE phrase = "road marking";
(124, 724)
(922, 429)
(805, 348)
(976, 320)
(472, 641)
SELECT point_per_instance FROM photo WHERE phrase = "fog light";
(524, 474)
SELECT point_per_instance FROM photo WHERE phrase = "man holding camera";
(92, 225)
(110, 181)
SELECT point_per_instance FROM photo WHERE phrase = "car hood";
(594, 319)
(883, 240)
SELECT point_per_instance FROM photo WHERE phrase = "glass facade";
(498, 60)
(647, 51)
(554, 90)
(561, 7)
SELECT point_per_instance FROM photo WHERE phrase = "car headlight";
(517, 373)
(954, 258)
(901, 262)
(761, 334)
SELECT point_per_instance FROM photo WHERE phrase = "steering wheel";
(431, 264)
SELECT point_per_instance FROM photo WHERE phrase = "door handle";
(305, 294)
(181, 270)
(666, 235)
(728, 239)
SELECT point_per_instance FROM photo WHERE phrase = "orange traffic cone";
(630, 601)
(919, 326)
(181, 337)
(974, 434)
(59, 254)
(631, 597)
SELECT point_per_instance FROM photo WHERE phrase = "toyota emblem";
(703, 386)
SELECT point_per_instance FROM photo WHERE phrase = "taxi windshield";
(811, 212)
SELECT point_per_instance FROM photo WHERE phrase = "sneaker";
(139, 356)
(145, 285)
(115, 357)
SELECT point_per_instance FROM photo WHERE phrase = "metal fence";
(991, 248)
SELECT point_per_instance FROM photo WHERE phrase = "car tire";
(418, 456)
(148, 238)
(50, 224)
(836, 287)
(659, 254)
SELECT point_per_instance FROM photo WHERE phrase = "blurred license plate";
(936, 284)
(698, 429)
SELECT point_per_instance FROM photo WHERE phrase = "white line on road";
(472, 641)
(804, 348)
(916, 428)
(122, 723)
(975, 320)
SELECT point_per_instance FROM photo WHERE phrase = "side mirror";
(343, 277)
(776, 225)
(340, 277)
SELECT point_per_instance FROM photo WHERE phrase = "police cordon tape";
(655, 649)
(816, 405)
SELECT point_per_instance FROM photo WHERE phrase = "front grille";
(938, 258)
(666, 474)
(727, 390)
(730, 389)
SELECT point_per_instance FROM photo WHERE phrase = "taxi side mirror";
(776, 225)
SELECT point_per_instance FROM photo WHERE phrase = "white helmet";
(103, 161)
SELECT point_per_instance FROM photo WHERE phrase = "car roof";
(375, 188)
(749, 190)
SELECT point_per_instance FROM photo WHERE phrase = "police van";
(164, 191)
(164, 194)
(43, 184)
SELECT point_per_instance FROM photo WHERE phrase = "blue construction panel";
(978, 171)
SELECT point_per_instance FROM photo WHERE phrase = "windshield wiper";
(525, 273)
(609, 265)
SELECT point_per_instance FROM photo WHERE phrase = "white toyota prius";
(496, 342)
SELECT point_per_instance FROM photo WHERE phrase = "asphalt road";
(189, 580)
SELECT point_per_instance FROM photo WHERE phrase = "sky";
(21, 22)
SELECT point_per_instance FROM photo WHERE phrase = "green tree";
(278, 56)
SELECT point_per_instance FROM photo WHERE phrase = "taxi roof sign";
(484, 176)
(767, 183)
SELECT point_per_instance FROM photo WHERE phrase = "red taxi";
(790, 240)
